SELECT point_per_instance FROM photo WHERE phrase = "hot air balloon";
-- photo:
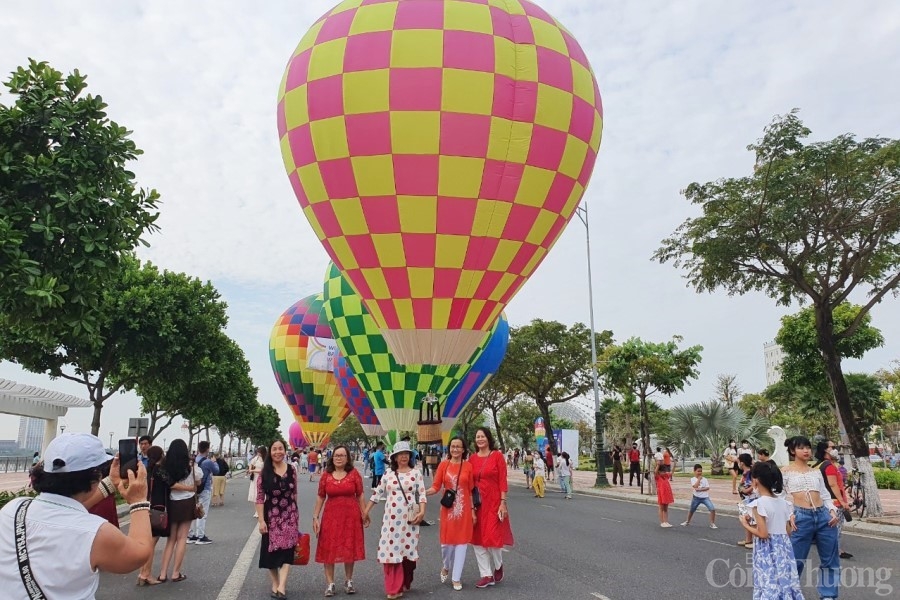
(356, 398)
(480, 373)
(299, 350)
(295, 437)
(395, 391)
(438, 148)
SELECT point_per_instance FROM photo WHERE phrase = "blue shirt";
(209, 468)
(378, 457)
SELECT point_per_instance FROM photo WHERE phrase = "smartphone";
(128, 457)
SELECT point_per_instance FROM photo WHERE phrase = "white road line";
(718, 542)
(235, 581)
(599, 595)
(871, 537)
(547, 505)
(613, 520)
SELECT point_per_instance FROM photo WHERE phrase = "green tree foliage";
(890, 383)
(728, 390)
(262, 426)
(500, 391)
(69, 207)
(471, 418)
(812, 222)
(708, 426)
(349, 433)
(551, 363)
(517, 420)
(641, 369)
(150, 327)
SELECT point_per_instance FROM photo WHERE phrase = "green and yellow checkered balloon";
(396, 391)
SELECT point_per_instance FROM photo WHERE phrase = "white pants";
(453, 558)
(489, 560)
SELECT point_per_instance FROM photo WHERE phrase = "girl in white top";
(775, 574)
(813, 517)
(254, 468)
(565, 474)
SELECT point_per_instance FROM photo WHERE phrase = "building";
(774, 357)
(31, 434)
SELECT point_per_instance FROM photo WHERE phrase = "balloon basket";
(429, 433)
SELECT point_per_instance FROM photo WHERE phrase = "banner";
(320, 354)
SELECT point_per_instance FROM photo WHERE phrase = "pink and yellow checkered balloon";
(438, 148)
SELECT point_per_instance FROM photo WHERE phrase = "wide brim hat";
(401, 447)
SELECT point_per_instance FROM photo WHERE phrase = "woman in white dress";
(403, 489)
(253, 471)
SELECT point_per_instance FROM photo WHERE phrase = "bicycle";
(857, 493)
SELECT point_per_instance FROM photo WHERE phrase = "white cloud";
(686, 86)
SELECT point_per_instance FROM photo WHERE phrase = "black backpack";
(223, 466)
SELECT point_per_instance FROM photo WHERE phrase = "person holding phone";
(68, 547)
(492, 529)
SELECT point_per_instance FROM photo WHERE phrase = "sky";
(686, 86)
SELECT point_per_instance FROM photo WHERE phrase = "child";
(664, 496)
(540, 468)
(774, 566)
(700, 485)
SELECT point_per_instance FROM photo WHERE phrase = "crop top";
(810, 481)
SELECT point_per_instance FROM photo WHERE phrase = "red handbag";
(301, 550)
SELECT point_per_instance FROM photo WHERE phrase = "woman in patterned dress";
(455, 473)
(340, 531)
(492, 530)
(278, 516)
(398, 547)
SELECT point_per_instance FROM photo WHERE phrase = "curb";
(855, 527)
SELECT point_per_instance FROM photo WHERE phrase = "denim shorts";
(696, 502)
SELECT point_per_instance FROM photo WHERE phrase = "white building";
(31, 434)
(774, 357)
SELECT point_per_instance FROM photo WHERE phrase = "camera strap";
(31, 585)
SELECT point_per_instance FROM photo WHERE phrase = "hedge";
(887, 480)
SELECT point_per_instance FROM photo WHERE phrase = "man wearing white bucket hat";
(403, 489)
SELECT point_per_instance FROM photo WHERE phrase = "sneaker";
(665, 524)
(348, 587)
(192, 539)
(329, 590)
(498, 575)
(685, 524)
(203, 541)
(713, 526)
(484, 582)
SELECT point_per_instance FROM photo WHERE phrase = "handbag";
(476, 493)
(198, 509)
(449, 496)
(848, 516)
(159, 518)
(301, 550)
(32, 588)
(412, 510)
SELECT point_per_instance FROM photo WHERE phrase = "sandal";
(457, 585)
(445, 574)
(181, 577)
(142, 581)
(161, 579)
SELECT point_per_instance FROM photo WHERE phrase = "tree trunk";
(496, 419)
(95, 422)
(645, 442)
(548, 425)
(832, 362)
(221, 441)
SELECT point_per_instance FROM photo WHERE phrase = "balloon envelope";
(395, 391)
(295, 436)
(310, 391)
(438, 148)
(356, 398)
(481, 372)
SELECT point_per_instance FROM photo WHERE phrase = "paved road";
(586, 548)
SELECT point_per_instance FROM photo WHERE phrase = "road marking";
(613, 520)
(599, 595)
(547, 505)
(871, 537)
(235, 581)
(718, 542)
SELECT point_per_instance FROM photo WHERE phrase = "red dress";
(489, 474)
(341, 527)
(664, 494)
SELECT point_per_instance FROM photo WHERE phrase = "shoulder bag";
(159, 518)
(412, 510)
(449, 497)
(476, 493)
(31, 586)
(198, 508)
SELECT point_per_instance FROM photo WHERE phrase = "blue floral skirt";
(775, 569)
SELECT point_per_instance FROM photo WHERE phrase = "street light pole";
(110, 439)
(599, 425)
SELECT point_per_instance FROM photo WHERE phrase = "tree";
(890, 383)
(69, 207)
(645, 368)
(816, 223)
(708, 426)
(517, 420)
(728, 391)
(349, 433)
(261, 426)
(757, 404)
(471, 418)
(799, 409)
(500, 391)
(551, 363)
(151, 326)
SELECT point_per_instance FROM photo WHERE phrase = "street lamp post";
(62, 429)
(110, 439)
(599, 425)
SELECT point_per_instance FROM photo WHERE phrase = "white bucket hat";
(401, 447)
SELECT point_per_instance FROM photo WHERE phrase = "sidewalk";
(13, 482)
(721, 496)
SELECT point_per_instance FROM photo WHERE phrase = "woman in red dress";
(458, 520)
(340, 530)
(492, 530)
(664, 496)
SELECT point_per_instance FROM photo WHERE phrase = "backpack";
(223, 466)
(202, 485)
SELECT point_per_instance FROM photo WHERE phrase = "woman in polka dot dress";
(403, 490)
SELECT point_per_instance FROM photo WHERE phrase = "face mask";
(833, 453)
